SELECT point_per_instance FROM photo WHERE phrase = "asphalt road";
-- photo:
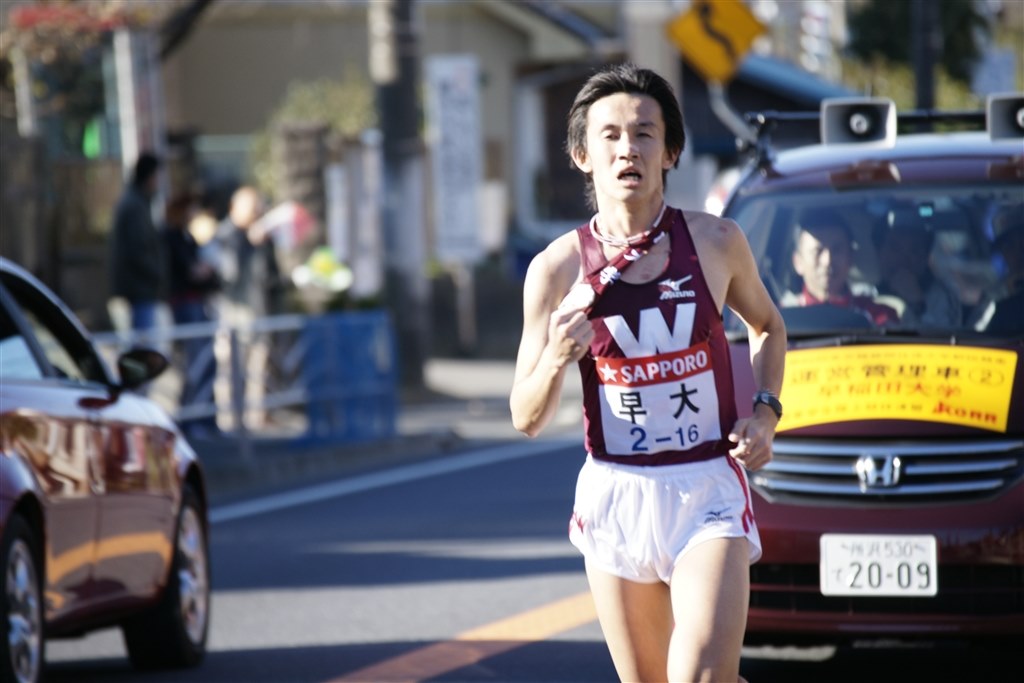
(454, 568)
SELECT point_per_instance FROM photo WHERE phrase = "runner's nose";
(627, 149)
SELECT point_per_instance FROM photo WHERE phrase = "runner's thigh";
(710, 595)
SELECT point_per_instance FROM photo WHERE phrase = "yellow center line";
(475, 645)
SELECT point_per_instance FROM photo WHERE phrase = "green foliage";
(63, 44)
(881, 29)
(346, 107)
(896, 81)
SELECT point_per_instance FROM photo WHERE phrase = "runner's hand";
(569, 335)
(753, 437)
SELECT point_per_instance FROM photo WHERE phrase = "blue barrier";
(350, 375)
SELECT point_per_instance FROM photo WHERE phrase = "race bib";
(658, 403)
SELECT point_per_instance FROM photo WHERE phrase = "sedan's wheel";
(173, 633)
(22, 629)
(193, 576)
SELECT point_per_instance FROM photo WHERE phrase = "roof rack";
(867, 120)
(764, 121)
(765, 124)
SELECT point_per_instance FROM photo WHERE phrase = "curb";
(277, 461)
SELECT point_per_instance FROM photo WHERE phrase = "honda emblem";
(878, 471)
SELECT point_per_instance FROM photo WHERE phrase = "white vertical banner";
(139, 97)
(456, 152)
(366, 174)
(337, 192)
(127, 78)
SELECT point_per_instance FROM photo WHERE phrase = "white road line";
(376, 480)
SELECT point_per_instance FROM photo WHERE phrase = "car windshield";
(934, 261)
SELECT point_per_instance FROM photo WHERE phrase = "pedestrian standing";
(136, 261)
(249, 269)
(251, 289)
(662, 513)
(192, 282)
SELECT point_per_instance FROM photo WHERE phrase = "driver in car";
(822, 256)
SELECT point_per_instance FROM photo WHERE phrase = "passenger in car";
(1005, 312)
(904, 248)
(823, 256)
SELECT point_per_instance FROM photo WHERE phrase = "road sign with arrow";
(714, 36)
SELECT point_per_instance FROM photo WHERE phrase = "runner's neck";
(637, 230)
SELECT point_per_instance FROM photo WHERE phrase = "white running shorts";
(636, 522)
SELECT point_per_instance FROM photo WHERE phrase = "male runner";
(662, 513)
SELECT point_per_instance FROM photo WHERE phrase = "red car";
(894, 505)
(102, 502)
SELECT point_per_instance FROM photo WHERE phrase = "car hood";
(873, 387)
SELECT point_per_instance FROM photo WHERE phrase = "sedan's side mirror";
(140, 365)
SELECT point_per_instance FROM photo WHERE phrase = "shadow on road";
(565, 661)
(548, 662)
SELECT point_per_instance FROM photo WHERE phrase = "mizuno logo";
(671, 289)
(716, 516)
(632, 255)
(609, 274)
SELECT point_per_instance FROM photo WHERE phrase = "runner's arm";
(552, 339)
(749, 299)
(766, 332)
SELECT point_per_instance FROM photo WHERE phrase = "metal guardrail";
(327, 377)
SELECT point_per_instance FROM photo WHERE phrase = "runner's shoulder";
(722, 234)
(561, 256)
(557, 266)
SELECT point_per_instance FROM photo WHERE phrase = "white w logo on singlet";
(655, 337)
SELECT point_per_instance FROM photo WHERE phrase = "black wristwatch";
(769, 399)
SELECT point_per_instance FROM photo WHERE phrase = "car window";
(911, 259)
(70, 354)
(16, 359)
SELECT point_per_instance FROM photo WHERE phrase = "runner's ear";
(582, 161)
(670, 160)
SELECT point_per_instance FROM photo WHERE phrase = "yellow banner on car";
(960, 385)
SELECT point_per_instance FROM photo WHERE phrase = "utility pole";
(394, 68)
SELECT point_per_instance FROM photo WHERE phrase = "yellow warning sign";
(714, 36)
(960, 385)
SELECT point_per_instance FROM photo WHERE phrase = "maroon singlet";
(657, 383)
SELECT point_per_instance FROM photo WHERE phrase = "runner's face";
(625, 152)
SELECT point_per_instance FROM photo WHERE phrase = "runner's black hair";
(624, 78)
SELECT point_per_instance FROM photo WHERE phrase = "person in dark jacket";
(192, 281)
(136, 263)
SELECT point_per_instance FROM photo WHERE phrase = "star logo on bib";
(609, 373)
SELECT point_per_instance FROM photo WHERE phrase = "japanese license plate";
(871, 565)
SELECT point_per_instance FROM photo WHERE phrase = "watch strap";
(769, 399)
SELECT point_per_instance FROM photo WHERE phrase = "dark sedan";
(102, 502)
